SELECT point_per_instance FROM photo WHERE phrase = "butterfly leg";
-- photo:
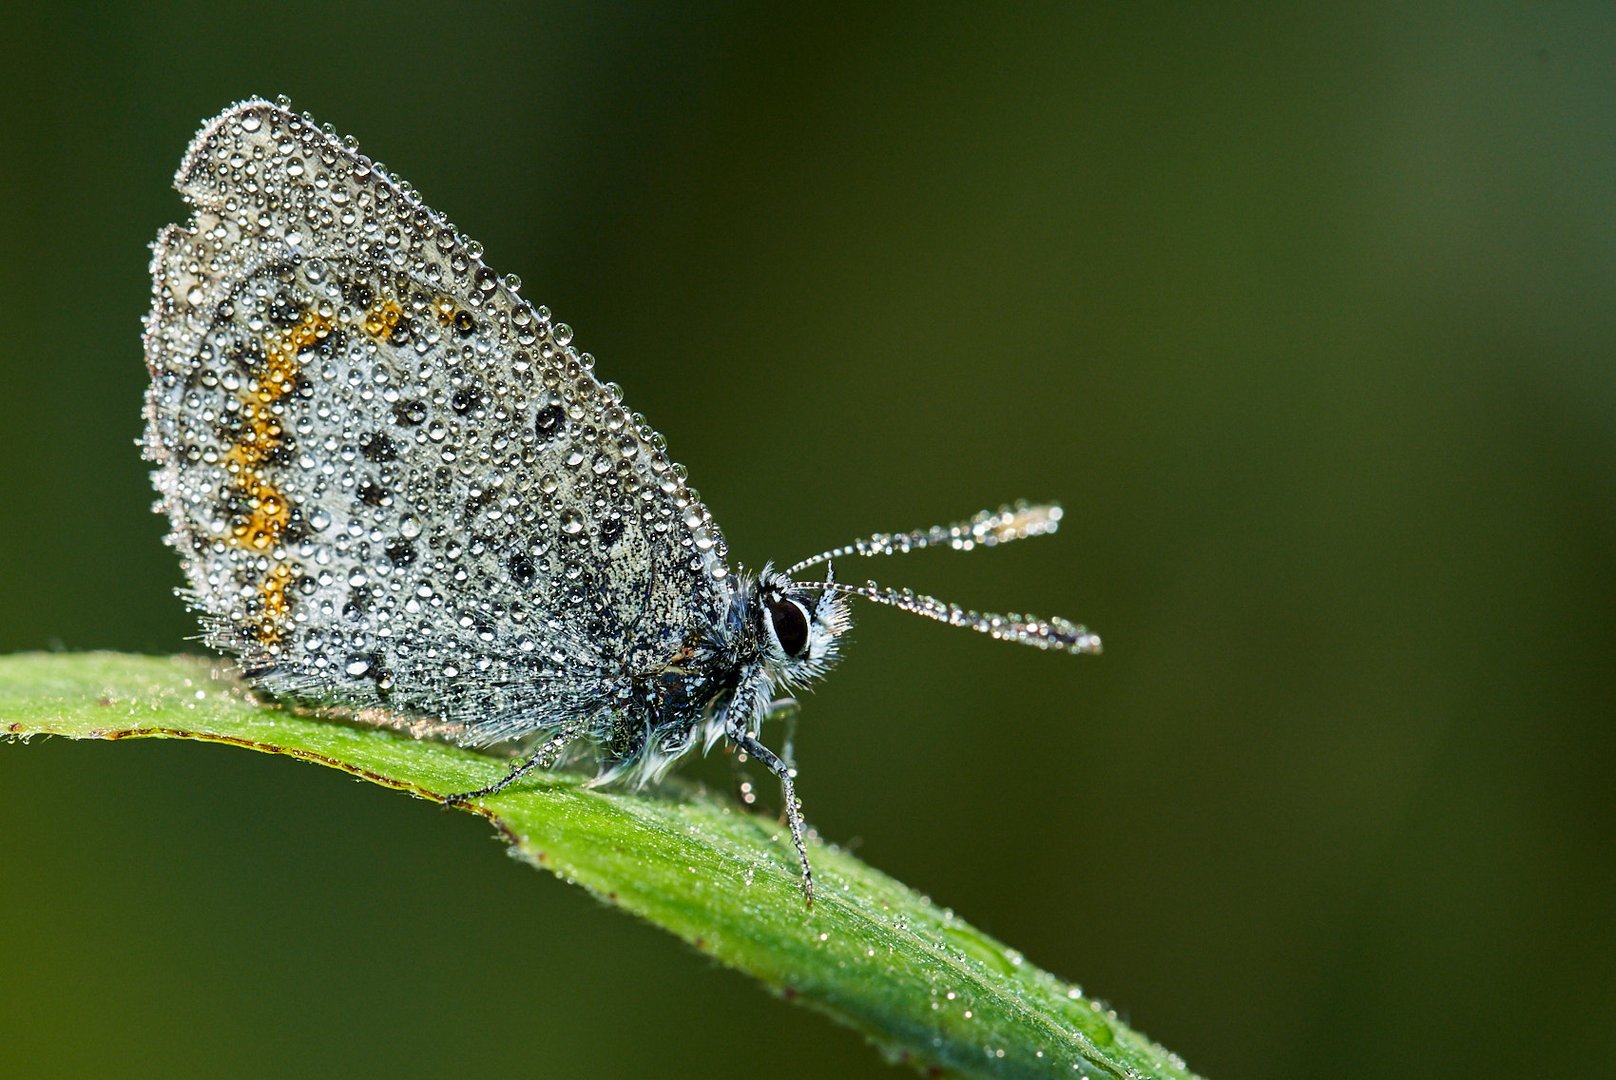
(788, 710)
(780, 769)
(542, 758)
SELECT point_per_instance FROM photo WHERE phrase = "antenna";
(986, 529)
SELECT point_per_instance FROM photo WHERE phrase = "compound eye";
(790, 621)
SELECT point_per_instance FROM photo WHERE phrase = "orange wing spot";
(381, 319)
(274, 606)
(256, 447)
(268, 511)
(268, 514)
(280, 355)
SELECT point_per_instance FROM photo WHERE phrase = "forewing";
(391, 479)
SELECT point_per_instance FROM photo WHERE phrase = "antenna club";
(986, 529)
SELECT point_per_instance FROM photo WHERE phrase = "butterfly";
(395, 484)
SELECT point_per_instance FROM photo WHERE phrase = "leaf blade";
(871, 953)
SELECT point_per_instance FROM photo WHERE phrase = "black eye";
(790, 626)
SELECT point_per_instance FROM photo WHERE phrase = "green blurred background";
(1308, 320)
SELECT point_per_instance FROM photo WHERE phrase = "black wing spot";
(465, 399)
(284, 311)
(410, 413)
(378, 447)
(547, 425)
(401, 552)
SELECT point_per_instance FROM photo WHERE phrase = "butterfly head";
(799, 624)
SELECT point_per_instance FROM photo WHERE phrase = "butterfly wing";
(391, 479)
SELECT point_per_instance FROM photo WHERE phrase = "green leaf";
(928, 988)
